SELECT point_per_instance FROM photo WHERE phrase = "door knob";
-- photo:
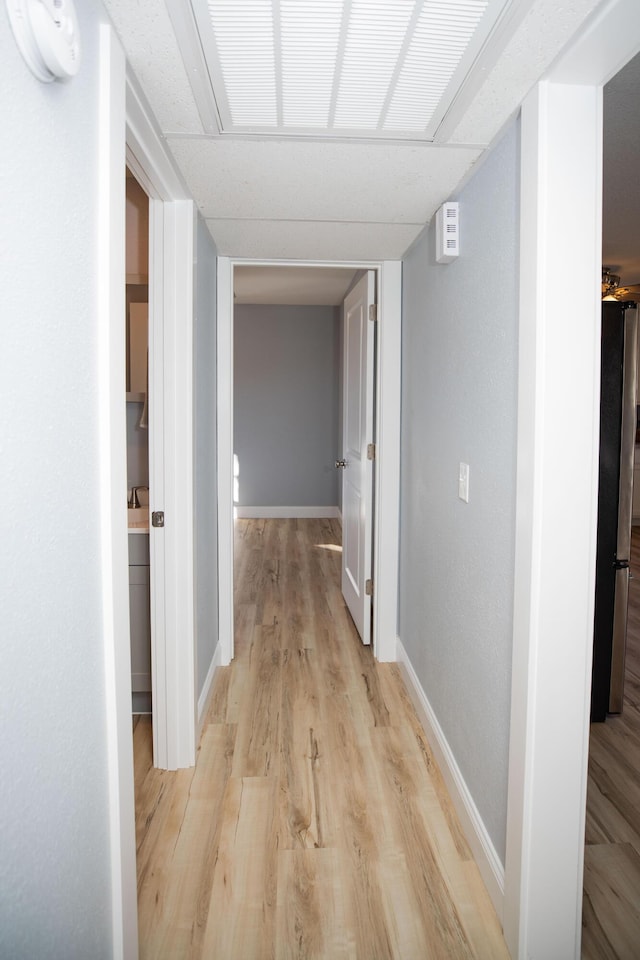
(341, 463)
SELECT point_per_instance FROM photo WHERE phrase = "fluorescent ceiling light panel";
(362, 68)
(307, 93)
(246, 56)
(375, 38)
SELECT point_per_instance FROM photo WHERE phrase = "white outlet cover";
(47, 35)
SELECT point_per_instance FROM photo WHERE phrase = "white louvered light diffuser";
(365, 68)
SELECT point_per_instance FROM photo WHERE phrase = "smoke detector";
(46, 32)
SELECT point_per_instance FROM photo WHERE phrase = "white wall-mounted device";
(46, 32)
(447, 232)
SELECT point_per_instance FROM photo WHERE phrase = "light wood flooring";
(315, 823)
(611, 905)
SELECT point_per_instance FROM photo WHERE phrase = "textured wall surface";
(459, 404)
(205, 500)
(286, 404)
(55, 888)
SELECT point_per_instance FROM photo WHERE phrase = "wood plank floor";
(315, 823)
(611, 904)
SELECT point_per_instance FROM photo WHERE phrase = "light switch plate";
(463, 482)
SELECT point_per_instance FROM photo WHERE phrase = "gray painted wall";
(286, 404)
(205, 495)
(55, 889)
(459, 404)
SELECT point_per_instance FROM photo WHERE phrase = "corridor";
(315, 823)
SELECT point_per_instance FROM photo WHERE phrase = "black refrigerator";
(615, 504)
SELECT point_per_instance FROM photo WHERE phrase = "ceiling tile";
(152, 50)
(313, 286)
(534, 46)
(363, 199)
(293, 240)
(320, 180)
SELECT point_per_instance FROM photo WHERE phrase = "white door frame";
(558, 418)
(171, 287)
(126, 128)
(113, 476)
(387, 464)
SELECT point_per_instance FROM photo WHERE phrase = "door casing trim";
(560, 219)
(113, 478)
(387, 463)
(128, 133)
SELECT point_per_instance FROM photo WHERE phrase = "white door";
(357, 469)
(156, 401)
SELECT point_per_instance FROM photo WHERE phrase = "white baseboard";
(484, 853)
(285, 513)
(205, 696)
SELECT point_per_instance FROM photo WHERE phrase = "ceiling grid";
(303, 183)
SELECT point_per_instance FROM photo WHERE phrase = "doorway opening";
(289, 400)
(231, 470)
(171, 531)
(612, 835)
(561, 168)
(137, 412)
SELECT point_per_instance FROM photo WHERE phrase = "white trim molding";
(388, 396)
(558, 427)
(484, 852)
(558, 437)
(113, 477)
(284, 513)
(207, 689)
(224, 348)
(171, 282)
(147, 158)
(386, 528)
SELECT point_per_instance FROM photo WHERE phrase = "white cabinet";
(140, 622)
(138, 348)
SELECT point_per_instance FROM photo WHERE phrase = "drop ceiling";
(354, 145)
(308, 286)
